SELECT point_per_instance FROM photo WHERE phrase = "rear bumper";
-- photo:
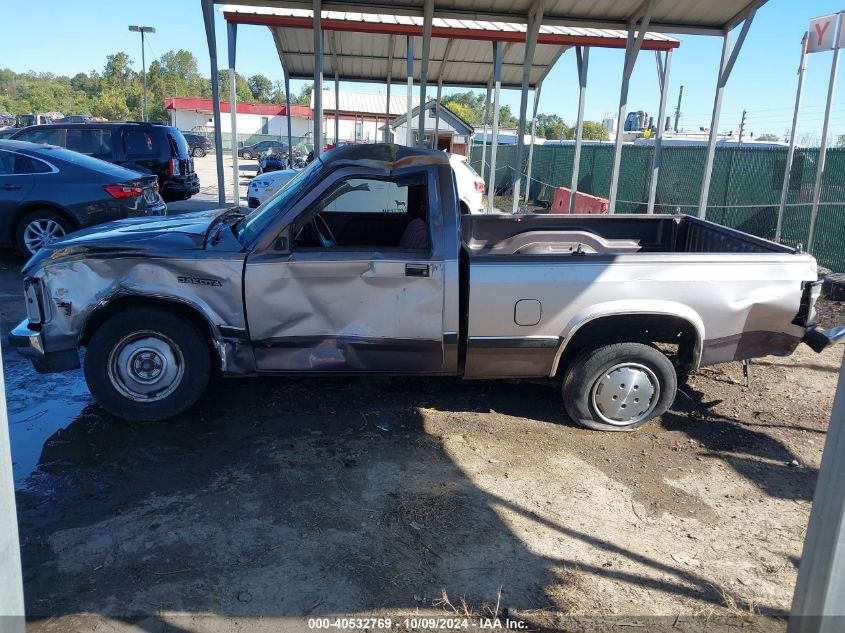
(180, 187)
(819, 339)
(29, 343)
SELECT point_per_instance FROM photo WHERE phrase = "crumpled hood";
(149, 236)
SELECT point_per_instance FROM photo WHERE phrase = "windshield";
(256, 222)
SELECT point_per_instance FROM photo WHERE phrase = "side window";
(7, 163)
(94, 142)
(139, 143)
(368, 213)
(364, 195)
(44, 137)
(27, 165)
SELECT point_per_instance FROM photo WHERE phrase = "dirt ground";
(279, 499)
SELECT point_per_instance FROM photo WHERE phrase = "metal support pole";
(336, 107)
(484, 128)
(428, 18)
(211, 38)
(817, 188)
(11, 580)
(790, 153)
(144, 71)
(288, 112)
(409, 67)
(535, 18)
(387, 131)
(725, 68)
(663, 77)
(632, 48)
(318, 78)
(533, 141)
(498, 51)
(818, 605)
(232, 33)
(436, 142)
(582, 59)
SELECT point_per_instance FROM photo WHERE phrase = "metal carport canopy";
(705, 17)
(360, 44)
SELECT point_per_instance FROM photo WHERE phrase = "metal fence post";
(494, 137)
(409, 67)
(582, 59)
(535, 18)
(232, 32)
(211, 39)
(663, 75)
(484, 128)
(318, 78)
(533, 141)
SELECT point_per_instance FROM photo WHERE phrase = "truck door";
(360, 286)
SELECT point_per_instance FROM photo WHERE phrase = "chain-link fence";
(744, 192)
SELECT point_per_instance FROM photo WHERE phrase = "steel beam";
(632, 49)
(409, 69)
(790, 153)
(232, 33)
(211, 39)
(498, 51)
(333, 44)
(582, 60)
(428, 17)
(436, 143)
(725, 67)
(663, 77)
(533, 141)
(388, 133)
(535, 19)
(318, 78)
(484, 128)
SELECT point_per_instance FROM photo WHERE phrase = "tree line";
(116, 92)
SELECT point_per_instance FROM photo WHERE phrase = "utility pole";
(742, 126)
(678, 109)
(142, 30)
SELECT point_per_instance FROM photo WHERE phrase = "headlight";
(33, 296)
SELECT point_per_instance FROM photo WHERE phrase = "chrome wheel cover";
(146, 366)
(41, 232)
(625, 394)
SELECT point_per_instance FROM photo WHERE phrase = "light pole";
(142, 30)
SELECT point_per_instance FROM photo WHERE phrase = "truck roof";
(383, 155)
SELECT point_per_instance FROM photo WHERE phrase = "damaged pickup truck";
(364, 264)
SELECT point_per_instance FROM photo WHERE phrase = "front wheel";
(247, 155)
(198, 152)
(147, 365)
(619, 387)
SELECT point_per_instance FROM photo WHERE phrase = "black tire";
(43, 216)
(642, 365)
(112, 389)
(247, 156)
(198, 152)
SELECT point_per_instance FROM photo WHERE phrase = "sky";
(78, 36)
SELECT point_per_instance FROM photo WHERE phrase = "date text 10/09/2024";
(416, 623)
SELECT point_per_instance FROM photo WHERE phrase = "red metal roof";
(265, 109)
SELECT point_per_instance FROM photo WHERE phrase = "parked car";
(311, 282)
(144, 147)
(263, 186)
(198, 145)
(33, 118)
(254, 150)
(272, 161)
(470, 185)
(6, 118)
(47, 192)
(75, 118)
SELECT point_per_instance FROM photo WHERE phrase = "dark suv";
(198, 144)
(144, 147)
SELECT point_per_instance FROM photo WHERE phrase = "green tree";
(261, 88)
(840, 140)
(594, 131)
(556, 131)
(767, 137)
(304, 96)
(118, 69)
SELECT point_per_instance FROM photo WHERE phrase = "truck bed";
(590, 234)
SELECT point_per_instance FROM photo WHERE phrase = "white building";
(194, 114)
(361, 116)
(453, 133)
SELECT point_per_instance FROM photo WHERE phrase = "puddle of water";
(39, 405)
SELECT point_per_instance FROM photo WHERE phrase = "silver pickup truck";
(364, 264)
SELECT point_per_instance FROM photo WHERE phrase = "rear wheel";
(149, 365)
(198, 152)
(40, 228)
(247, 155)
(619, 387)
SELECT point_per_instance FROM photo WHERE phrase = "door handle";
(416, 270)
(9, 187)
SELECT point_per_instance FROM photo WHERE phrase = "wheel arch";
(644, 322)
(35, 205)
(189, 311)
